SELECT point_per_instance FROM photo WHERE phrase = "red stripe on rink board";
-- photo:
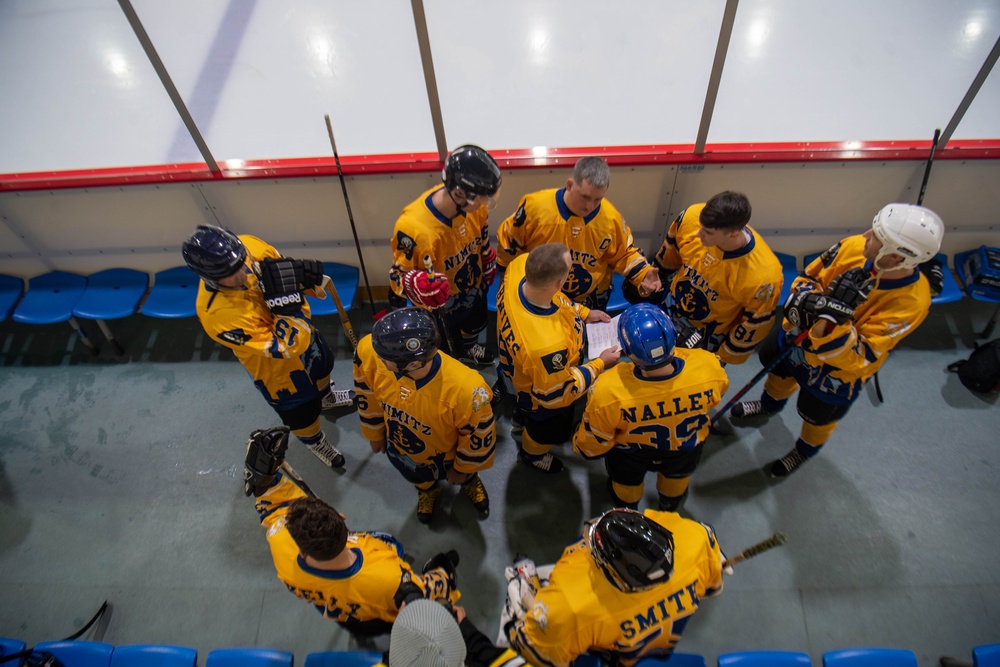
(525, 158)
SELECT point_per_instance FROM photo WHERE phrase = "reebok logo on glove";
(284, 300)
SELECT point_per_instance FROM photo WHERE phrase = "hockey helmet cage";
(472, 169)
(214, 253)
(406, 335)
(647, 336)
(634, 552)
(913, 232)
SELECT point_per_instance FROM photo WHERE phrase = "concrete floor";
(120, 480)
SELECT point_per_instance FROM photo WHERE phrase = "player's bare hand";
(610, 356)
(651, 283)
(378, 446)
(455, 477)
(598, 316)
(459, 613)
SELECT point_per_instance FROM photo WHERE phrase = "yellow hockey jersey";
(363, 592)
(599, 244)
(836, 366)
(541, 349)
(283, 354)
(453, 245)
(729, 296)
(580, 610)
(442, 420)
(638, 414)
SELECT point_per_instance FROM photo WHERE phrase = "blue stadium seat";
(343, 659)
(111, 295)
(676, 660)
(153, 655)
(870, 657)
(10, 647)
(78, 653)
(174, 294)
(987, 655)
(950, 291)
(491, 295)
(11, 291)
(789, 271)
(976, 294)
(345, 280)
(617, 302)
(51, 298)
(248, 657)
(765, 659)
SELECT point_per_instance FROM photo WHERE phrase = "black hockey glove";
(447, 562)
(309, 272)
(407, 591)
(265, 454)
(804, 309)
(687, 335)
(279, 281)
(933, 270)
(851, 287)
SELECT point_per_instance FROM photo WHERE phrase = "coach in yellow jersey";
(429, 414)
(651, 415)
(441, 254)
(540, 336)
(251, 299)
(726, 281)
(856, 301)
(358, 579)
(624, 592)
(578, 215)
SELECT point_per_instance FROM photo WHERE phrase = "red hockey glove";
(488, 259)
(424, 290)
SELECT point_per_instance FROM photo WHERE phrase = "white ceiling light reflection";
(117, 64)
(972, 30)
(757, 34)
(537, 43)
(321, 53)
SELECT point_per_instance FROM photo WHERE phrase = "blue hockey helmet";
(214, 253)
(634, 552)
(406, 335)
(647, 336)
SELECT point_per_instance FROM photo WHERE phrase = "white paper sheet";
(601, 336)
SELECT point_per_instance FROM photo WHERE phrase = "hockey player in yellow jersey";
(250, 299)
(856, 301)
(726, 281)
(540, 336)
(624, 592)
(430, 414)
(651, 415)
(357, 579)
(578, 215)
(441, 254)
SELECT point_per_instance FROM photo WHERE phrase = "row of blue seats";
(59, 296)
(99, 654)
(790, 269)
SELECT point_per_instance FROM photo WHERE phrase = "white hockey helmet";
(910, 231)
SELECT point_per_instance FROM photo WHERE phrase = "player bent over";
(625, 592)
(540, 334)
(357, 579)
(430, 414)
(251, 300)
(856, 301)
(652, 414)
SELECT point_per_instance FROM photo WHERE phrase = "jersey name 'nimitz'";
(541, 349)
(599, 244)
(633, 413)
(729, 296)
(443, 417)
(454, 246)
(580, 610)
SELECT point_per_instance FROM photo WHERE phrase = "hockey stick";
(350, 215)
(438, 317)
(343, 314)
(775, 540)
(799, 337)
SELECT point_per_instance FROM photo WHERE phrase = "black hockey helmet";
(633, 551)
(214, 253)
(406, 335)
(472, 169)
